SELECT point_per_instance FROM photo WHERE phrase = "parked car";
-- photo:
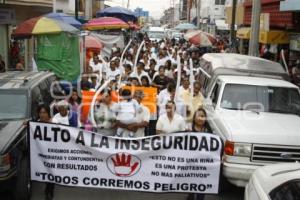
(274, 182)
(156, 33)
(255, 111)
(20, 95)
(177, 36)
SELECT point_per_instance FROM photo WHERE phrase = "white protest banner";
(178, 162)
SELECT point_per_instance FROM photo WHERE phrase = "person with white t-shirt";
(142, 118)
(64, 116)
(169, 94)
(97, 67)
(127, 110)
(139, 72)
(128, 60)
(112, 71)
(170, 122)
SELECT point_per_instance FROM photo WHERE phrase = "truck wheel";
(23, 185)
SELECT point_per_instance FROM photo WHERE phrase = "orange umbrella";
(93, 43)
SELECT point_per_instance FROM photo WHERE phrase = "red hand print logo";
(123, 164)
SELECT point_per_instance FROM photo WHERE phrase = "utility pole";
(255, 26)
(232, 26)
(88, 9)
(128, 4)
(54, 6)
(198, 13)
(76, 9)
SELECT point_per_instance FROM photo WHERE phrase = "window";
(203, 78)
(266, 98)
(13, 105)
(215, 94)
(287, 191)
(36, 99)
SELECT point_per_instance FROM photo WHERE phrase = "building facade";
(279, 28)
(212, 14)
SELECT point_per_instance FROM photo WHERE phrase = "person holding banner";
(170, 122)
(200, 125)
(65, 116)
(43, 113)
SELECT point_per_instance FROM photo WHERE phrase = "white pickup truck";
(274, 182)
(253, 109)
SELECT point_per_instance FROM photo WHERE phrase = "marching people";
(105, 114)
(139, 72)
(127, 110)
(43, 113)
(169, 94)
(64, 115)
(170, 122)
(200, 125)
(142, 118)
(74, 101)
(145, 81)
(160, 81)
(151, 71)
(192, 101)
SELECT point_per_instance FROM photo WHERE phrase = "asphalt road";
(72, 193)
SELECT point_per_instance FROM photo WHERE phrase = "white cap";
(62, 103)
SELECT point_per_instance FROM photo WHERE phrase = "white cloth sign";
(177, 162)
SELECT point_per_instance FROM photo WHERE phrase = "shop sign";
(295, 42)
(7, 16)
(265, 21)
(273, 37)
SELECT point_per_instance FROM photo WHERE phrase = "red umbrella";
(108, 23)
(92, 42)
(200, 38)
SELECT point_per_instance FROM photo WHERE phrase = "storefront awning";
(265, 37)
(243, 33)
(274, 37)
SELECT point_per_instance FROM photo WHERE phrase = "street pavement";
(74, 193)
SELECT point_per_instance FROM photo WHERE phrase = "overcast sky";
(155, 7)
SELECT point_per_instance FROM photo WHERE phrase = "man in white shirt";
(97, 67)
(112, 71)
(142, 118)
(139, 72)
(168, 94)
(170, 122)
(64, 116)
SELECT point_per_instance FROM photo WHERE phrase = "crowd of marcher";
(155, 66)
(171, 67)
